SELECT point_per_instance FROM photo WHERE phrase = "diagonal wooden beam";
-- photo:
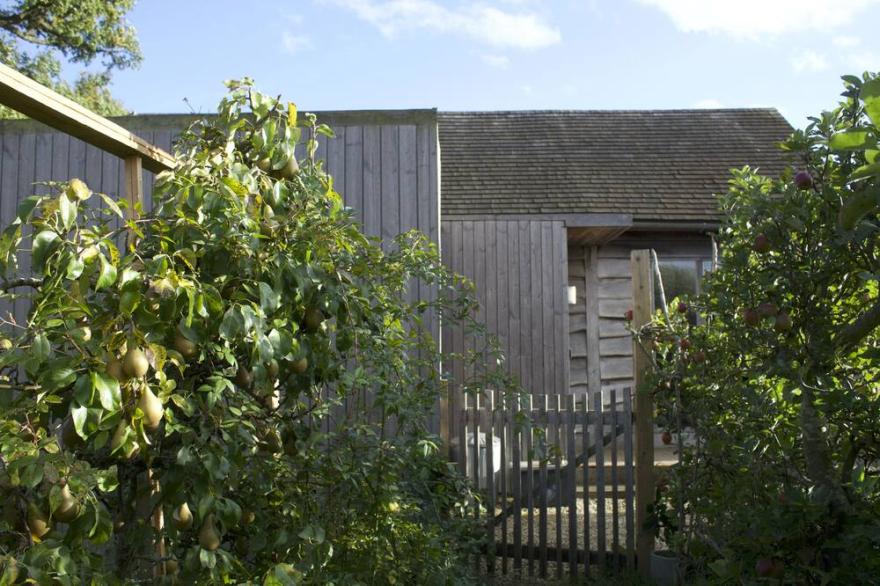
(36, 101)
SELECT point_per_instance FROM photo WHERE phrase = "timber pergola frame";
(42, 104)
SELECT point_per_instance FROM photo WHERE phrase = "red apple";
(764, 567)
(751, 317)
(699, 356)
(782, 322)
(803, 179)
(628, 316)
(684, 344)
(666, 438)
(682, 307)
(761, 243)
(767, 309)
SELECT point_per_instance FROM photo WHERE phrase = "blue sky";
(503, 54)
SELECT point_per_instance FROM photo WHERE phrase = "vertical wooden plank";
(490, 479)
(458, 333)
(600, 477)
(560, 261)
(467, 250)
(558, 489)
(474, 442)
(514, 312)
(502, 301)
(354, 170)
(504, 434)
(516, 483)
(628, 475)
(371, 201)
(389, 214)
(594, 371)
(479, 254)
(489, 276)
(134, 186)
(26, 188)
(60, 162)
(547, 287)
(462, 437)
(536, 347)
(530, 481)
(585, 413)
(9, 187)
(336, 159)
(542, 483)
(643, 305)
(524, 267)
(571, 454)
(615, 525)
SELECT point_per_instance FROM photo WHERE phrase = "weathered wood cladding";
(385, 164)
(519, 270)
(601, 346)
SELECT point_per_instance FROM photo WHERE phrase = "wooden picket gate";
(560, 499)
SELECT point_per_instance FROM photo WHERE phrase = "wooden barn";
(526, 204)
(535, 203)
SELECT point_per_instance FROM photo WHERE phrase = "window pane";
(679, 278)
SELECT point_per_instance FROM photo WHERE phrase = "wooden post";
(444, 420)
(134, 184)
(643, 308)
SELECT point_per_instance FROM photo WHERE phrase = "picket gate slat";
(540, 454)
(599, 441)
(571, 449)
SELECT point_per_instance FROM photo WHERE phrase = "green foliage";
(35, 35)
(243, 350)
(779, 382)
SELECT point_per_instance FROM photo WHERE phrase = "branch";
(857, 330)
(21, 282)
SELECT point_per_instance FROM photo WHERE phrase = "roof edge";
(178, 120)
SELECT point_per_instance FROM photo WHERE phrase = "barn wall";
(601, 346)
(519, 269)
(385, 164)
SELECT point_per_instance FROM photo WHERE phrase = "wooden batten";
(36, 101)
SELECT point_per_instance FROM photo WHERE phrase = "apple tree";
(778, 382)
(231, 387)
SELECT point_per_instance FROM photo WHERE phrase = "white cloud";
(483, 23)
(846, 42)
(708, 104)
(757, 18)
(860, 61)
(294, 44)
(809, 61)
(498, 61)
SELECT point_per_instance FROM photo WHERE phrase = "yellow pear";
(187, 348)
(300, 365)
(290, 169)
(135, 364)
(171, 567)
(114, 368)
(208, 537)
(37, 522)
(150, 404)
(77, 190)
(68, 509)
(183, 517)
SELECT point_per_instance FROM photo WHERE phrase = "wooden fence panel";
(524, 453)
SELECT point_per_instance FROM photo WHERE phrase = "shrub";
(784, 398)
(241, 364)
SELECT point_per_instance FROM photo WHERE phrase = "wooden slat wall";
(519, 268)
(388, 171)
(603, 279)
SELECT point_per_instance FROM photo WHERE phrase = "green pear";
(150, 404)
(68, 509)
(114, 369)
(290, 168)
(37, 522)
(183, 517)
(187, 348)
(135, 364)
(208, 537)
(77, 190)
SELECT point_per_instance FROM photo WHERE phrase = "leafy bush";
(780, 382)
(240, 364)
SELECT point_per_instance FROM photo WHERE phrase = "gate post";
(643, 309)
